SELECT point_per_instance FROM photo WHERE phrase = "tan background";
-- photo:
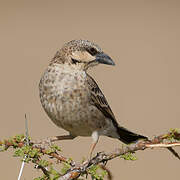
(143, 89)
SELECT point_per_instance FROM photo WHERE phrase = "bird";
(73, 100)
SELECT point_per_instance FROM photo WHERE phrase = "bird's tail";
(128, 137)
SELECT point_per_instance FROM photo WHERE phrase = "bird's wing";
(99, 100)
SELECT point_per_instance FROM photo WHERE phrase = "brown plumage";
(73, 100)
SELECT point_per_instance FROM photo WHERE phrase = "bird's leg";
(64, 137)
(95, 137)
(53, 139)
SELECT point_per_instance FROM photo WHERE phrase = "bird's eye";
(75, 61)
(92, 51)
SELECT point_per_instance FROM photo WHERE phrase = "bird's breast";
(65, 98)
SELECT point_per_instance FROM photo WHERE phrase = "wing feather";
(99, 100)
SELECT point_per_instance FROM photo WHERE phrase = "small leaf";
(65, 168)
(129, 156)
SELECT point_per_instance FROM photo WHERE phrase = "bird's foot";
(48, 142)
(43, 143)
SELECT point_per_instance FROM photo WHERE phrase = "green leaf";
(55, 147)
(65, 168)
(19, 137)
(43, 163)
(129, 156)
(97, 172)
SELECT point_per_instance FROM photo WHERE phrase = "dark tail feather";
(128, 137)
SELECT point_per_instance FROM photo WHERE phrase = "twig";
(27, 143)
(168, 141)
(160, 145)
(173, 152)
(102, 157)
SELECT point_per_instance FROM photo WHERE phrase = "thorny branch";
(167, 141)
(156, 142)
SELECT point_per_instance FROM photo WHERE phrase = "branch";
(73, 169)
(156, 142)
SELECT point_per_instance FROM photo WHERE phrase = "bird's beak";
(104, 59)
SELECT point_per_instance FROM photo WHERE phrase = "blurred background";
(143, 89)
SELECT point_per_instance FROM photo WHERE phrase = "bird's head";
(82, 53)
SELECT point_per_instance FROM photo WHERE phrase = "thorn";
(27, 133)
